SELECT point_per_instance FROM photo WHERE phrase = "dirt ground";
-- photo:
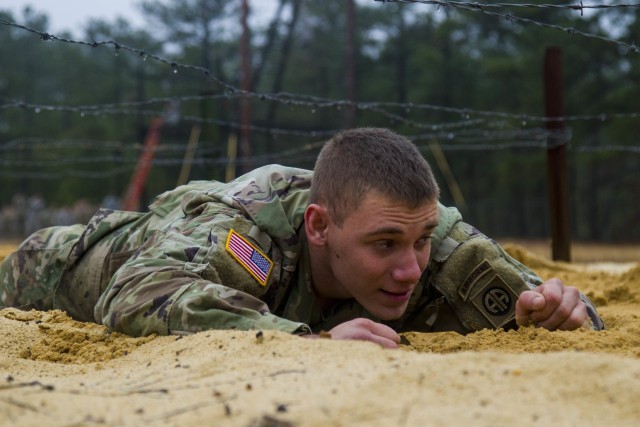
(58, 372)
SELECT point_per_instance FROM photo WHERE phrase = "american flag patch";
(254, 261)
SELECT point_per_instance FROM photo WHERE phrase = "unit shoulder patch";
(472, 278)
(496, 301)
(249, 256)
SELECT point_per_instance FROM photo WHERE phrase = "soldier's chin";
(386, 313)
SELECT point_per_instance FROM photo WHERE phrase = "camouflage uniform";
(174, 270)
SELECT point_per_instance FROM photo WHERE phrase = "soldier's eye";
(384, 244)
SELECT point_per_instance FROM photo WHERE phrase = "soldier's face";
(379, 253)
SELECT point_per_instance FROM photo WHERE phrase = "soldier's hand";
(366, 330)
(552, 306)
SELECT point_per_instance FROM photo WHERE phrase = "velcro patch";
(472, 278)
(496, 301)
(250, 257)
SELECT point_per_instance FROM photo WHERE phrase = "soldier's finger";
(383, 341)
(385, 332)
(524, 320)
(528, 302)
(578, 318)
(562, 311)
(552, 291)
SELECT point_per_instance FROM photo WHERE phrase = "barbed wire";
(468, 136)
(493, 133)
(478, 139)
(29, 143)
(611, 148)
(465, 140)
(201, 160)
(87, 108)
(107, 109)
(313, 102)
(127, 169)
(68, 173)
(568, 6)
(96, 110)
(142, 53)
(459, 140)
(307, 155)
(482, 8)
(465, 113)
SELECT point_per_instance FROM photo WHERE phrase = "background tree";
(460, 63)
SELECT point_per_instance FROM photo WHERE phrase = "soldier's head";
(372, 210)
(356, 161)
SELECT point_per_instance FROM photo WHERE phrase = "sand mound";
(55, 371)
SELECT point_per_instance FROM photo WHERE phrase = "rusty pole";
(245, 109)
(556, 157)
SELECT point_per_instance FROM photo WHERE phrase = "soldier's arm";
(482, 283)
(174, 285)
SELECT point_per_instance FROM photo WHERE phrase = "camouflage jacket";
(211, 255)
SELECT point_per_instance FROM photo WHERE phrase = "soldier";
(360, 247)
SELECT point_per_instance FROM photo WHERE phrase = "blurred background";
(114, 111)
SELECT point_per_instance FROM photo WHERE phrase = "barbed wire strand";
(462, 135)
(479, 8)
(302, 157)
(38, 108)
(533, 138)
(316, 102)
(568, 6)
(29, 143)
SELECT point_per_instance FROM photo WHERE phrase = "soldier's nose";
(408, 270)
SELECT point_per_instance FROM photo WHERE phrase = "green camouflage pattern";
(167, 271)
(29, 276)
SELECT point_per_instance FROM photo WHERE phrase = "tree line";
(467, 87)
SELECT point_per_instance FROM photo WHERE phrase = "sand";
(55, 371)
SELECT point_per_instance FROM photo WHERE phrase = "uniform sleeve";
(182, 281)
(533, 280)
(481, 282)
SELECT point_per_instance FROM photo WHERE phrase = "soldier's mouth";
(397, 296)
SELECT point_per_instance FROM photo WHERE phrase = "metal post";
(245, 109)
(557, 157)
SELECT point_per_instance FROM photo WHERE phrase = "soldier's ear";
(316, 222)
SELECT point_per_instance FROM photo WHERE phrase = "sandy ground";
(58, 372)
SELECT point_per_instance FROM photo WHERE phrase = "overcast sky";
(72, 15)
